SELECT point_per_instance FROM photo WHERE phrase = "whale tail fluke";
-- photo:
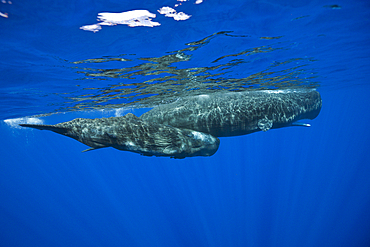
(53, 128)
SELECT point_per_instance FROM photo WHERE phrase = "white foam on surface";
(133, 18)
(170, 12)
(14, 122)
(93, 28)
(121, 112)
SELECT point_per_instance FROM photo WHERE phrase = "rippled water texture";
(59, 65)
(155, 80)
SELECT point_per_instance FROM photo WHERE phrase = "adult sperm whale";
(130, 133)
(239, 113)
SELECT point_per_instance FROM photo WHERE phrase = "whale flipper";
(301, 124)
(89, 149)
(265, 124)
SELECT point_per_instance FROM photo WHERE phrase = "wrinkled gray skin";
(175, 129)
(130, 133)
(238, 113)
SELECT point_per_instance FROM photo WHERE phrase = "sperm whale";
(190, 126)
(239, 113)
(130, 133)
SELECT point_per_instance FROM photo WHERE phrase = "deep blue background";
(287, 187)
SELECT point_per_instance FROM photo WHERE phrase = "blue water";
(287, 187)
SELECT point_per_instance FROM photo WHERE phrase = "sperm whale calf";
(130, 133)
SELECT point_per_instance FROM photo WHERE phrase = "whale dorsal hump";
(264, 124)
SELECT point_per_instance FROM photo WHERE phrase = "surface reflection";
(156, 80)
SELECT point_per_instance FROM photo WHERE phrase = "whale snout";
(204, 144)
